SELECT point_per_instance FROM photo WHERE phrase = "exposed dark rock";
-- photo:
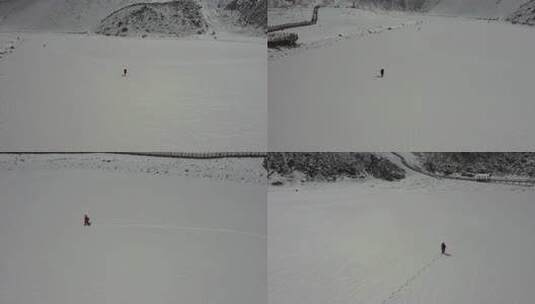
(331, 166)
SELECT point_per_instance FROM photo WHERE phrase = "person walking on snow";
(382, 73)
(124, 72)
(443, 247)
(87, 221)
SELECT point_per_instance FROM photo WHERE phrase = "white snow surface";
(337, 23)
(451, 84)
(65, 92)
(153, 239)
(379, 242)
(477, 8)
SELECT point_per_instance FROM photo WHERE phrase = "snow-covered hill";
(155, 238)
(471, 8)
(59, 15)
(87, 15)
(179, 18)
(524, 15)
(366, 4)
(252, 12)
(331, 166)
(498, 164)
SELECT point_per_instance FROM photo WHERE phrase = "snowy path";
(61, 92)
(379, 242)
(470, 78)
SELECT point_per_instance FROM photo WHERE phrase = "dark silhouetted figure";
(87, 221)
(443, 247)
(124, 72)
(382, 73)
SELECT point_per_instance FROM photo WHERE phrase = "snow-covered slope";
(86, 15)
(524, 15)
(379, 242)
(154, 238)
(472, 8)
(368, 4)
(60, 15)
(477, 8)
(179, 18)
(252, 12)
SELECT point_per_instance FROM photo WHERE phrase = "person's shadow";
(447, 254)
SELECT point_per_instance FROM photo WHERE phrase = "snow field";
(65, 93)
(445, 76)
(158, 239)
(379, 242)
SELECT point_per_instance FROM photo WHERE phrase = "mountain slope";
(332, 166)
(178, 18)
(252, 12)
(525, 14)
(86, 15)
(513, 163)
(60, 15)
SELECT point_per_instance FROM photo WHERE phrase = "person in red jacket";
(87, 221)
